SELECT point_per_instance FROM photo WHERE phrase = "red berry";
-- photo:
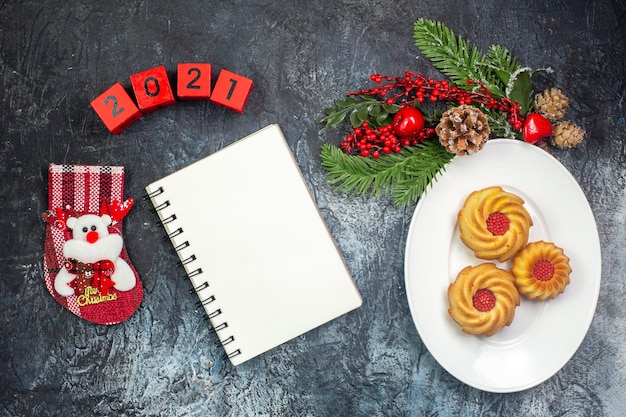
(543, 270)
(536, 127)
(483, 300)
(497, 223)
(408, 122)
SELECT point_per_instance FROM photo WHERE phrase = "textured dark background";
(56, 56)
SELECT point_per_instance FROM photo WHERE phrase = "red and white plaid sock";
(86, 266)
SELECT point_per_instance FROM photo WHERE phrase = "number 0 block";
(194, 81)
(116, 109)
(231, 91)
(153, 90)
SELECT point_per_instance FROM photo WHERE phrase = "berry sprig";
(404, 94)
(417, 87)
(367, 141)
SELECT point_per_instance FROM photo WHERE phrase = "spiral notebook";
(254, 245)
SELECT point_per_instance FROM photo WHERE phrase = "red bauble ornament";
(536, 127)
(408, 123)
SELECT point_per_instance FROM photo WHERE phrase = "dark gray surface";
(56, 56)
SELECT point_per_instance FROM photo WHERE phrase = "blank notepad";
(254, 244)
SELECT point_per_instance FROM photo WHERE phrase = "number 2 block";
(153, 90)
(116, 109)
(194, 81)
(231, 91)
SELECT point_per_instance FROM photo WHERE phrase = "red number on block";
(231, 91)
(194, 81)
(116, 109)
(152, 89)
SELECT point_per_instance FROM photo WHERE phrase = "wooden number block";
(193, 81)
(116, 109)
(153, 90)
(231, 91)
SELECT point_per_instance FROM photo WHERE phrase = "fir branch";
(454, 56)
(420, 172)
(502, 62)
(405, 175)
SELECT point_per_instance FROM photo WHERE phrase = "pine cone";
(567, 135)
(551, 104)
(463, 130)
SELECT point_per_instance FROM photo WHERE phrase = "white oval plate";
(543, 335)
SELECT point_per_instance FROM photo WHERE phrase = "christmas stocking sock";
(86, 267)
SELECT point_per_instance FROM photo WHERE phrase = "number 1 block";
(194, 81)
(231, 91)
(116, 109)
(153, 90)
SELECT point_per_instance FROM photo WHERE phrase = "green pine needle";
(502, 63)
(405, 175)
(460, 60)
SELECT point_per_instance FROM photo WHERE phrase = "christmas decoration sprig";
(390, 147)
(457, 58)
(406, 174)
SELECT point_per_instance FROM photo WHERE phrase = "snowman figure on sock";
(93, 254)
